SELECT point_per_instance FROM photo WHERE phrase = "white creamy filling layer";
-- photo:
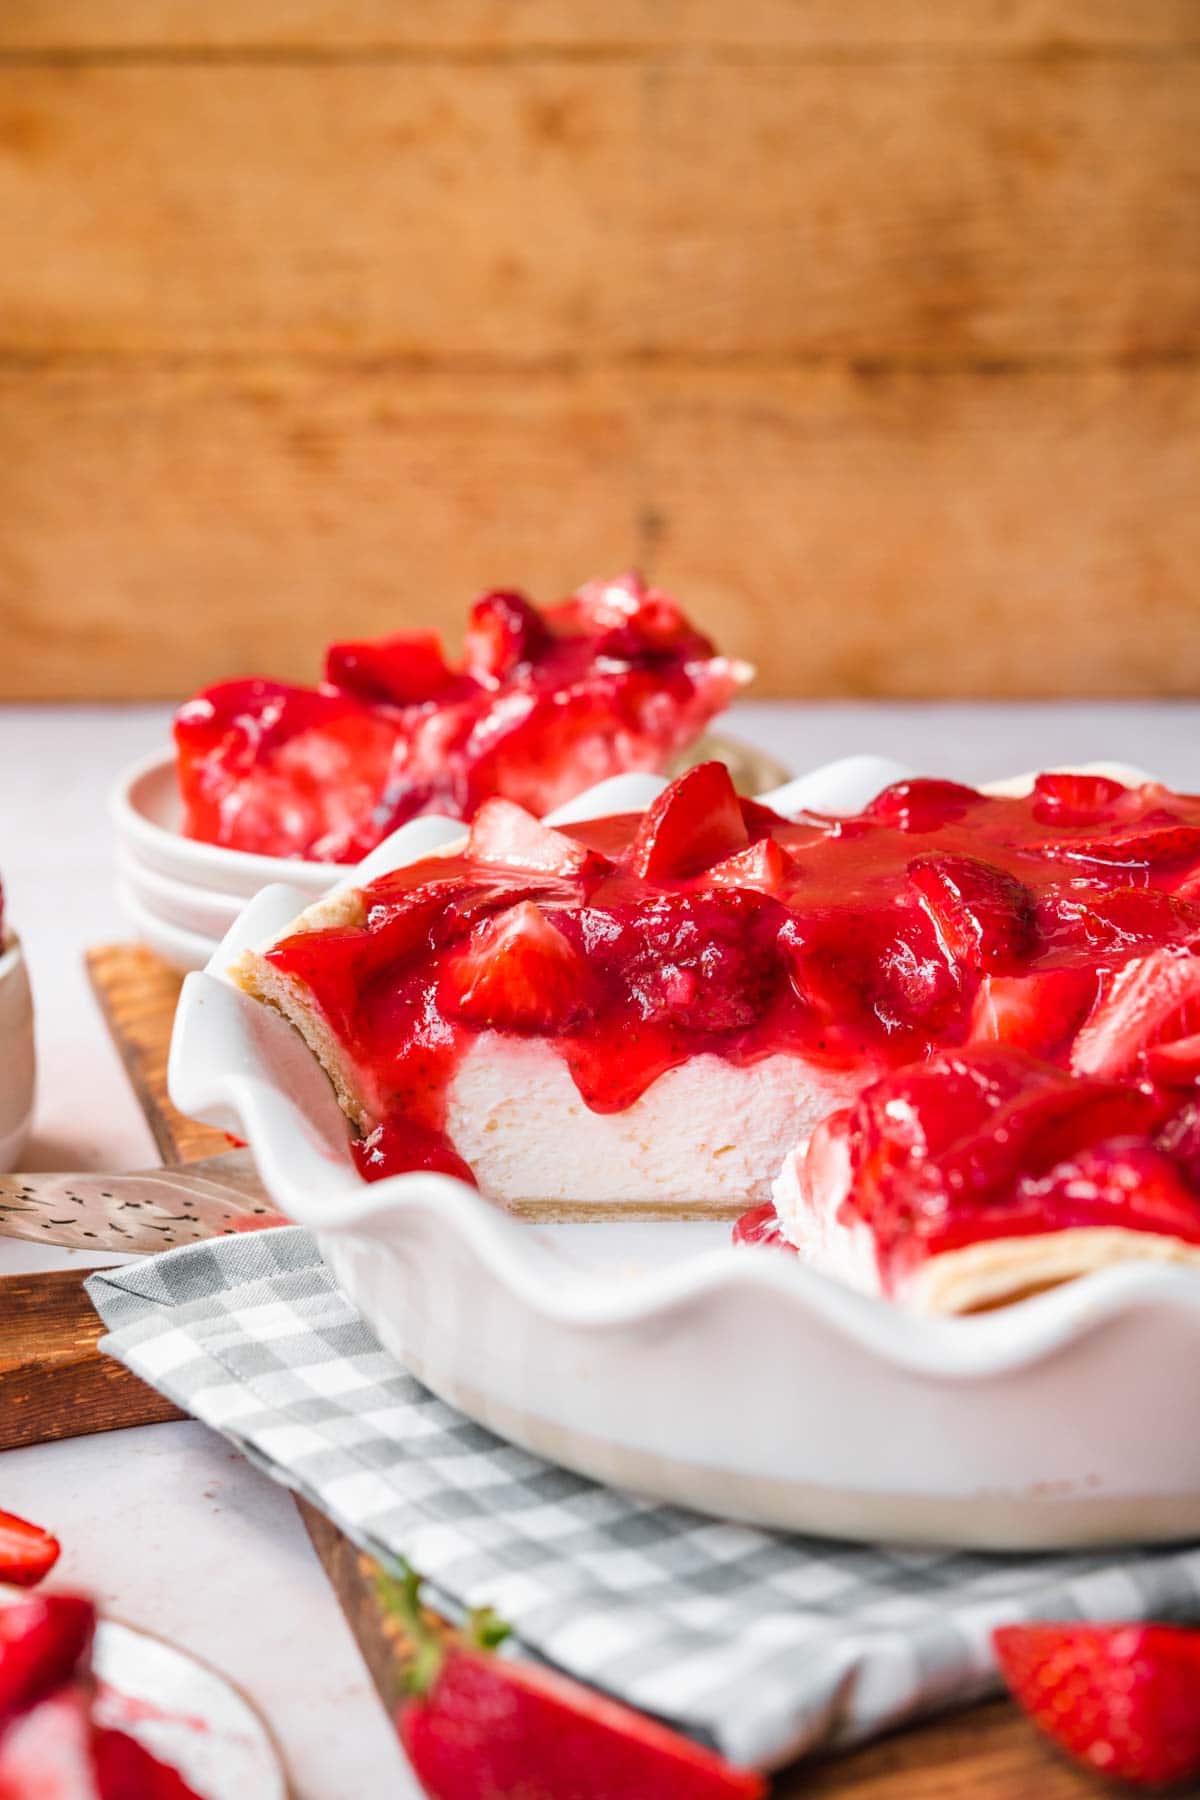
(808, 1193)
(708, 1132)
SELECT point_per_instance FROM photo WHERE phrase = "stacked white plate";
(181, 896)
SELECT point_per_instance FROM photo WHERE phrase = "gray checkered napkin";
(760, 1643)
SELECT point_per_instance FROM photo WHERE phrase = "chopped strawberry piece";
(1176, 1064)
(517, 972)
(1063, 798)
(921, 805)
(27, 1552)
(1146, 845)
(888, 973)
(478, 1725)
(506, 835)
(693, 824)
(1152, 1000)
(48, 1753)
(1039, 1012)
(42, 1640)
(503, 632)
(763, 864)
(1122, 1176)
(1124, 1700)
(399, 671)
(1121, 919)
(983, 915)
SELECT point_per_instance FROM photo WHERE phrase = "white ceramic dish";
(182, 949)
(17, 1057)
(200, 909)
(657, 1357)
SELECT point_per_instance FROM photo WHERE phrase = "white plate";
(657, 1357)
(17, 1060)
(186, 1714)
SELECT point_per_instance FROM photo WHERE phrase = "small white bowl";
(177, 902)
(17, 1061)
(183, 949)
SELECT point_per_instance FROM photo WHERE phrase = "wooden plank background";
(871, 326)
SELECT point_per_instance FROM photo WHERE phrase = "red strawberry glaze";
(987, 1143)
(543, 705)
(938, 917)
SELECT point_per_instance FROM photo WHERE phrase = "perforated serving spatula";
(139, 1212)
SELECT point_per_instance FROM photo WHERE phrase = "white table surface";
(168, 1526)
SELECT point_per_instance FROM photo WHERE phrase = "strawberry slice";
(400, 670)
(1176, 1064)
(477, 1725)
(42, 1640)
(503, 632)
(505, 835)
(921, 805)
(983, 915)
(48, 1753)
(1147, 845)
(1124, 1700)
(1065, 798)
(1038, 1012)
(764, 865)
(517, 972)
(1153, 1000)
(693, 824)
(27, 1552)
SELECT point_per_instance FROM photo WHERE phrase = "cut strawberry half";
(505, 835)
(503, 632)
(694, 823)
(983, 915)
(27, 1552)
(1039, 1012)
(397, 671)
(1065, 798)
(764, 865)
(1124, 1700)
(1147, 845)
(921, 805)
(1176, 1064)
(476, 1724)
(517, 972)
(42, 1641)
(1152, 1000)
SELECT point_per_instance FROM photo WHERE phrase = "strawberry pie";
(947, 1048)
(543, 705)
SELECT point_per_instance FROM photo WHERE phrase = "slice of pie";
(651, 1011)
(543, 705)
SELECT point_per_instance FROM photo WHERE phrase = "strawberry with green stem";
(477, 1726)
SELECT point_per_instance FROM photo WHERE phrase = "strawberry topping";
(544, 705)
(937, 919)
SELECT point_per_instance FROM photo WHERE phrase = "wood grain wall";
(871, 326)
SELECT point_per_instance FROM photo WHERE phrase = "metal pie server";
(139, 1212)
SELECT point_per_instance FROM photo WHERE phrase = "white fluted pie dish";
(655, 1356)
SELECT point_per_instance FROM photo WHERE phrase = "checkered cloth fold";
(759, 1642)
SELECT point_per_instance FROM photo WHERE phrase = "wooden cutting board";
(988, 1752)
